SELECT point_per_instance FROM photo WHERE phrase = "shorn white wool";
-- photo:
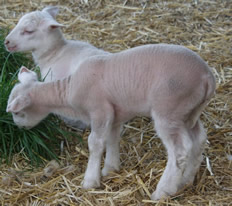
(169, 83)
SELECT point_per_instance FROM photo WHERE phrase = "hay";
(203, 26)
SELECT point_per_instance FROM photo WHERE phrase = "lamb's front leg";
(101, 126)
(112, 159)
(96, 145)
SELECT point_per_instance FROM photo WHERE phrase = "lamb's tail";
(210, 86)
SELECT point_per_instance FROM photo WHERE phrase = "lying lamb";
(167, 82)
(56, 57)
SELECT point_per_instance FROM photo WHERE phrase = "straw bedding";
(203, 26)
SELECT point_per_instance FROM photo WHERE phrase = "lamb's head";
(34, 31)
(20, 103)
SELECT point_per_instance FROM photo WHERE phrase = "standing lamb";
(167, 82)
(56, 57)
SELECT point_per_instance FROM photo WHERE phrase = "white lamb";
(170, 83)
(40, 33)
(56, 57)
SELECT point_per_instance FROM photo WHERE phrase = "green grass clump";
(36, 144)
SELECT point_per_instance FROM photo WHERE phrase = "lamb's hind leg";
(178, 143)
(198, 136)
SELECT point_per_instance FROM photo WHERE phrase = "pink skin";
(169, 83)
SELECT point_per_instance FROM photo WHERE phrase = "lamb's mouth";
(12, 49)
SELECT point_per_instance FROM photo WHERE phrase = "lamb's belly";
(130, 111)
(74, 123)
(46, 75)
(72, 118)
(56, 72)
(51, 75)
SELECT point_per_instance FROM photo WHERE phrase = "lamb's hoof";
(107, 169)
(90, 184)
(157, 195)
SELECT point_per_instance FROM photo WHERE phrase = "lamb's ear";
(52, 10)
(19, 103)
(54, 24)
(50, 24)
(23, 70)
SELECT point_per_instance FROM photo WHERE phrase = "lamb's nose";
(7, 42)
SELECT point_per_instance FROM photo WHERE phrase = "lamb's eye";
(27, 32)
(22, 115)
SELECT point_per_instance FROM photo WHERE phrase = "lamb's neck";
(46, 53)
(52, 95)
